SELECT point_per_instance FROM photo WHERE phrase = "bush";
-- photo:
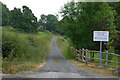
(14, 46)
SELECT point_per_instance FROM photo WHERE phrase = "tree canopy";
(80, 19)
(49, 22)
(5, 15)
(22, 19)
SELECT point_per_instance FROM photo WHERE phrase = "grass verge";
(65, 48)
(93, 68)
(23, 51)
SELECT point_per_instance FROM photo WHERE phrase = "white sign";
(101, 36)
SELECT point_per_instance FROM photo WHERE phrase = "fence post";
(73, 51)
(93, 56)
(106, 59)
(76, 54)
(82, 54)
(86, 56)
(90, 56)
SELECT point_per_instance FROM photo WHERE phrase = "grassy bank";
(23, 51)
(65, 48)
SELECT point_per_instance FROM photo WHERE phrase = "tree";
(42, 21)
(21, 19)
(116, 7)
(16, 18)
(24, 19)
(0, 14)
(51, 19)
(81, 19)
(29, 23)
(5, 15)
(48, 22)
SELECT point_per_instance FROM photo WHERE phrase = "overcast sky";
(38, 7)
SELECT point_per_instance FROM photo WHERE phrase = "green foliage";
(65, 49)
(16, 17)
(21, 19)
(5, 15)
(20, 48)
(48, 22)
(115, 44)
(81, 19)
(24, 20)
(0, 14)
(41, 28)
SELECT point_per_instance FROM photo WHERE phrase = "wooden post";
(80, 57)
(82, 54)
(106, 59)
(86, 56)
(76, 54)
(73, 51)
(93, 56)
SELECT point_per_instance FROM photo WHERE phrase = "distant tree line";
(25, 20)
(49, 22)
(80, 19)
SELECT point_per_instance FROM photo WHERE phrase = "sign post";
(101, 36)
(100, 52)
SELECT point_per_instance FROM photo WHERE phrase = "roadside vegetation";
(80, 19)
(66, 47)
(23, 51)
(25, 39)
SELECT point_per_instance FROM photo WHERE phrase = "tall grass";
(65, 48)
(20, 48)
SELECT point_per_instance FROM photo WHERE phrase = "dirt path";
(58, 67)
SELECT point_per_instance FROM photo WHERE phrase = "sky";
(38, 7)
